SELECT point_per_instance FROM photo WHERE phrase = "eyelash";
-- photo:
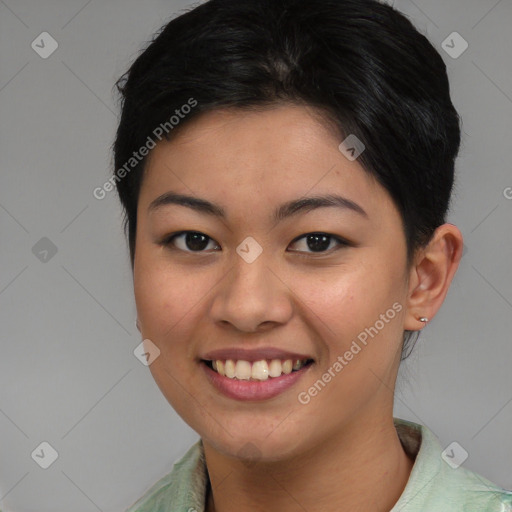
(169, 239)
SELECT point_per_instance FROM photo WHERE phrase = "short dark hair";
(360, 62)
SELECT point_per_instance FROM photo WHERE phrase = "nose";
(252, 297)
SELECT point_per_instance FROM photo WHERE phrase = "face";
(324, 282)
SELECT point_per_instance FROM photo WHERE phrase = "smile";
(257, 370)
(259, 380)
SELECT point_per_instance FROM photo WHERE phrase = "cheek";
(348, 299)
(354, 305)
(168, 298)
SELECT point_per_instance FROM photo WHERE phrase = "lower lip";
(253, 389)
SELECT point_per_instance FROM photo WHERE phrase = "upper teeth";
(260, 370)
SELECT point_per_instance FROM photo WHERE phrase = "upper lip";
(252, 355)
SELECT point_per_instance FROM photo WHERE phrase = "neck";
(363, 466)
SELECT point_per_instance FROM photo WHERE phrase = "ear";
(431, 275)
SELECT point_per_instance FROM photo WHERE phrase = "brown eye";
(189, 241)
(319, 242)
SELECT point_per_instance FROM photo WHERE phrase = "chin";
(254, 446)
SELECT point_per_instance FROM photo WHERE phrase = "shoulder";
(438, 481)
(476, 493)
(466, 491)
(184, 487)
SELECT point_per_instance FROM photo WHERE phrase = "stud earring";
(423, 319)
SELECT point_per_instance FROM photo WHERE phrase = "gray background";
(68, 375)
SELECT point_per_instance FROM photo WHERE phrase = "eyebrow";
(284, 211)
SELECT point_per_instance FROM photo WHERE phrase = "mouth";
(261, 370)
(257, 380)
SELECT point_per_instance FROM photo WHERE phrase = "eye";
(195, 241)
(320, 242)
(188, 241)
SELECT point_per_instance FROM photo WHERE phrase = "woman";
(286, 169)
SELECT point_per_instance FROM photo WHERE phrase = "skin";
(339, 452)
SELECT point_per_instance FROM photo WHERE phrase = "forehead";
(247, 159)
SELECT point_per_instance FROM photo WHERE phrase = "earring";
(423, 319)
(137, 325)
